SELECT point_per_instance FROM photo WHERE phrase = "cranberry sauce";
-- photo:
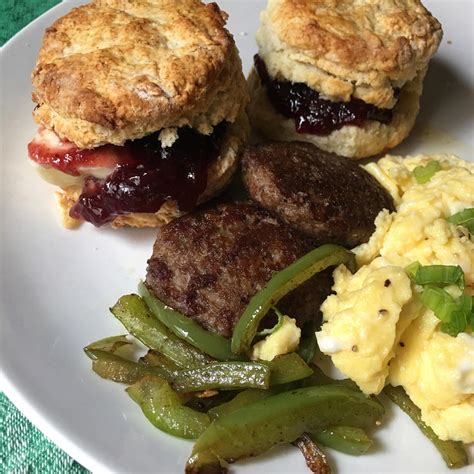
(311, 113)
(155, 175)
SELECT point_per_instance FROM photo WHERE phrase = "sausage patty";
(209, 264)
(328, 197)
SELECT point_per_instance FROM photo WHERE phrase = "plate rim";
(26, 404)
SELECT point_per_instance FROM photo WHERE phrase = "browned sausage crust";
(209, 264)
(329, 198)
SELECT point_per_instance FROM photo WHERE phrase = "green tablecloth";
(23, 449)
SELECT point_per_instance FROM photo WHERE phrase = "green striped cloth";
(24, 449)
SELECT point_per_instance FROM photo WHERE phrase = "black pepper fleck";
(402, 344)
(387, 283)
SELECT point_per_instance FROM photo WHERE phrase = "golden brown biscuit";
(350, 141)
(118, 70)
(114, 70)
(344, 48)
(344, 75)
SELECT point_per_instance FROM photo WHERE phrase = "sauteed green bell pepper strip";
(346, 439)
(223, 376)
(287, 368)
(320, 378)
(282, 283)
(185, 328)
(113, 367)
(109, 344)
(165, 409)
(282, 418)
(133, 313)
(155, 359)
(308, 346)
(453, 452)
(242, 399)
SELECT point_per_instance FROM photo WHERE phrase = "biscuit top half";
(344, 48)
(114, 70)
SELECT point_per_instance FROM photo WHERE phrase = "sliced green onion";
(457, 324)
(441, 275)
(278, 325)
(439, 301)
(412, 269)
(464, 218)
(423, 174)
(459, 317)
(455, 314)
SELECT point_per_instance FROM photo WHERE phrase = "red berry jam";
(153, 176)
(49, 151)
(311, 113)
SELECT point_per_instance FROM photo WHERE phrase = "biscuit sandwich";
(141, 110)
(346, 76)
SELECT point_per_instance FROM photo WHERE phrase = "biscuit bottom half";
(220, 173)
(350, 141)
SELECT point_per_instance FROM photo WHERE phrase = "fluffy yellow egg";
(435, 369)
(283, 341)
(360, 321)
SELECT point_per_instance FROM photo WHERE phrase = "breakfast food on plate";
(141, 107)
(346, 76)
(406, 317)
(325, 196)
(401, 318)
(209, 264)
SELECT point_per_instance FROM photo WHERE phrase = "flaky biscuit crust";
(114, 70)
(220, 172)
(345, 48)
(350, 141)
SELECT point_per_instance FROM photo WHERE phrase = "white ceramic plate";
(57, 284)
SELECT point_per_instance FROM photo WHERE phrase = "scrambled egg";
(405, 345)
(437, 371)
(282, 341)
(353, 319)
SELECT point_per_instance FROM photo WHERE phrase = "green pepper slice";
(155, 359)
(320, 378)
(109, 344)
(282, 418)
(453, 452)
(345, 439)
(113, 367)
(287, 368)
(185, 328)
(282, 283)
(133, 313)
(242, 399)
(223, 376)
(308, 346)
(164, 408)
